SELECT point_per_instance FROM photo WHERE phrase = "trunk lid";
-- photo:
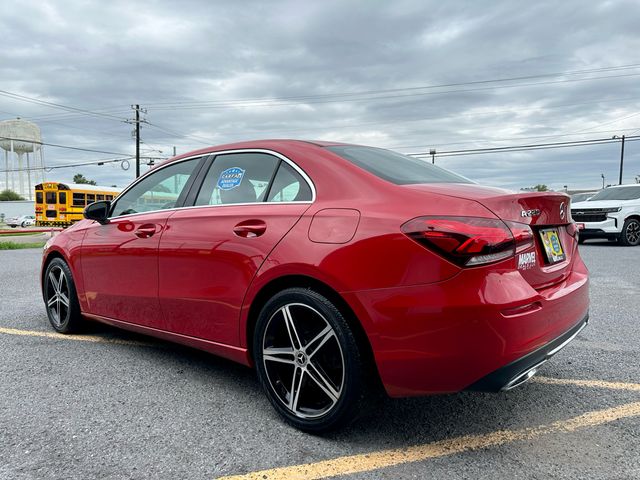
(548, 215)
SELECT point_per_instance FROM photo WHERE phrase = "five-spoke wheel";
(60, 296)
(308, 360)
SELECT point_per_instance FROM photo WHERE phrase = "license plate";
(552, 245)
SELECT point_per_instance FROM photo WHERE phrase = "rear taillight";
(470, 241)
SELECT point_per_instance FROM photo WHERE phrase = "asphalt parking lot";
(110, 404)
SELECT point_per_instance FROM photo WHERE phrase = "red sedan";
(330, 268)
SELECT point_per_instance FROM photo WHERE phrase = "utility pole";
(136, 134)
(621, 157)
(432, 152)
(137, 141)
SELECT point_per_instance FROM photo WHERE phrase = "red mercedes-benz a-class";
(329, 267)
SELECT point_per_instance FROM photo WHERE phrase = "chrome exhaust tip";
(524, 377)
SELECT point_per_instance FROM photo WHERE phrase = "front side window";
(237, 178)
(159, 190)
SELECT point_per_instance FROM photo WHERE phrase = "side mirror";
(98, 211)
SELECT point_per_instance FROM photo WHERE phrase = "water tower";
(21, 140)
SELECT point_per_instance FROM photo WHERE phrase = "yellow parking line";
(633, 387)
(387, 458)
(78, 338)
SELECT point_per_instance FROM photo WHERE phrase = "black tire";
(284, 360)
(60, 297)
(23, 224)
(630, 235)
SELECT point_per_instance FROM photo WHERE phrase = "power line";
(185, 135)
(37, 101)
(71, 165)
(397, 147)
(273, 103)
(520, 148)
(68, 147)
(394, 90)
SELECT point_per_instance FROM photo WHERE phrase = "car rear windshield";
(395, 167)
(622, 193)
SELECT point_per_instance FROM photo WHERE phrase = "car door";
(120, 259)
(210, 253)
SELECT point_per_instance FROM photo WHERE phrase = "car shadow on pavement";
(388, 423)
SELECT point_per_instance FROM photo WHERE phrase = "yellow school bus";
(61, 204)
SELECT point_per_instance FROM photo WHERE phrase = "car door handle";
(145, 231)
(250, 228)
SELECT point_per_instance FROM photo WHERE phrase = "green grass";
(17, 246)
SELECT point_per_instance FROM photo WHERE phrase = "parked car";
(21, 221)
(331, 269)
(582, 197)
(613, 213)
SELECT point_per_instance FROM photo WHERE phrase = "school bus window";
(78, 200)
(91, 197)
(99, 197)
(38, 197)
(62, 197)
(50, 197)
(108, 197)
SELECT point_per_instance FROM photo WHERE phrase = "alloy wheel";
(57, 296)
(303, 360)
(633, 233)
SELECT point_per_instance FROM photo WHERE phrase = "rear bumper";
(610, 228)
(519, 371)
(587, 233)
(446, 337)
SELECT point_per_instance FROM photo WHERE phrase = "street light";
(602, 175)
(621, 155)
(432, 152)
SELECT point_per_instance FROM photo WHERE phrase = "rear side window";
(237, 178)
(289, 186)
(395, 167)
(38, 197)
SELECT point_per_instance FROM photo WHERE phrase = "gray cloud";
(107, 56)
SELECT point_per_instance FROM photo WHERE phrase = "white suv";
(612, 213)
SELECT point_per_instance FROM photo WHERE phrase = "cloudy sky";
(410, 75)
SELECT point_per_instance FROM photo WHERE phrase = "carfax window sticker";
(230, 178)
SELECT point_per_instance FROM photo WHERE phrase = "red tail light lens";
(470, 241)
